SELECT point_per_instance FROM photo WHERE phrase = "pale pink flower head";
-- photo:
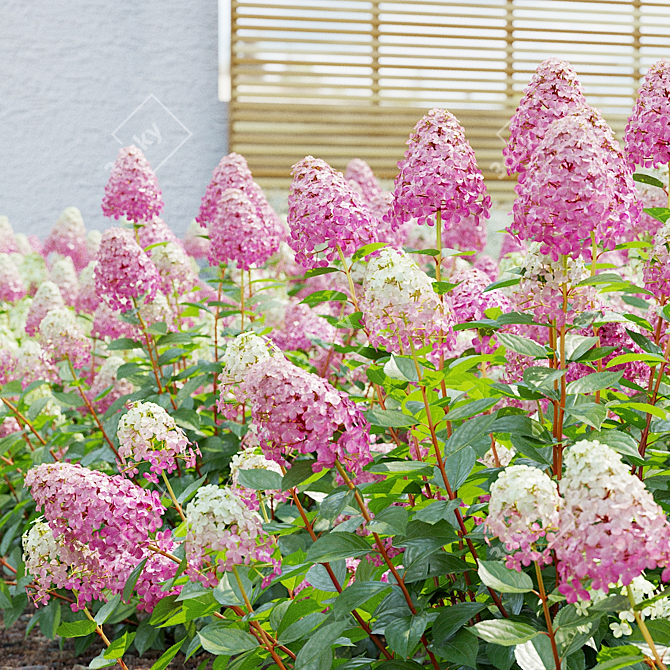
(7, 373)
(611, 528)
(62, 338)
(361, 174)
(155, 231)
(301, 325)
(296, 410)
(8, 244)
(48, 297)
(324, 213)
(568, 191)
(87, 295)
(148, 433)
(523, 508)
(467, 234)
(132, 190)
(239, 233)
(657, 268)
(105, 381)
(439, 172)
(195, 243)
(387, 229)
(553, 92)
(124, 272)
(108, 324)
(647, 135)
(174, 267)
(12, 288)
(68, 238)
(488, 266)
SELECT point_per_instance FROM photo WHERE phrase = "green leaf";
(101, 662)
(648, 179)
(630, 358)
(453, 618)
(221, 640)
(146, 635)
(502, 283)
(389, 418)
(356, 595)
(462, 649)
(49, 618)
(118, 647)
(594, 382)
(107, 609)
(298, 629)
(437, 511)
(397, 467)
(615, 603)
(391, 521)
(471, 408)
(496, 576)
(367, 250)
(298, 473)
(351, 321)
(403, 634)
(167, 656)
(318, 297)
(190, 490)
(123, 343)
(619, 662)
(76, 628)
(583, 345)
(132, 580)
(320, 642)
(661, 214)
(260, 480)
(504, 632)
(316, 272)
(336, 546)
(459, 466)
(522, 345)
(468, 433)
(442, 287)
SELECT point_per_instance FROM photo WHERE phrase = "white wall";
(71, 71)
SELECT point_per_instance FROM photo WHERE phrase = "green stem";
(644, 630)
(178, 507)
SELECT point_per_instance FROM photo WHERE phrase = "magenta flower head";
(439, 173)
(124, 273)
(324, 213)
(360, 174)
(238, 233)
(132, 190)
(12, 288)
(647, 135)
(611, 528)
(553, 92)
(68, 238)
(571, 188)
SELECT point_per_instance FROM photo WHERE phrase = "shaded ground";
(39, 653)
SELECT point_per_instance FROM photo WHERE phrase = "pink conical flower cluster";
(11, 284)
(124, 272)
(48, 297)
(324, 213)
(553, 92)
(647, 134)
(359, 175)
(132, 190)
(238, 233)
(68, 238)
(439, 172)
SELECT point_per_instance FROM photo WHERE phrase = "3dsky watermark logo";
(154, 129)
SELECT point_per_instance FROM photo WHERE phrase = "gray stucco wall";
(72, 71)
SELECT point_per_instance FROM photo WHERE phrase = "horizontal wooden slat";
(350, 78)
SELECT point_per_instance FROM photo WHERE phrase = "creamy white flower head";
(33, 270)
(108, 370)
(71, 220)
(157, 311)
(18, 314)
(40, 549)
(87, 276)
(250, 459)
(64, 275)
(524, 507)
(58, 325)
(6, 230)
(174, 266)
(241, 353)
(23, 244)
(505, 456)
(93, 239)
(213, 510)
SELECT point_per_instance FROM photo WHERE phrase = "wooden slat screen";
(341, 79)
